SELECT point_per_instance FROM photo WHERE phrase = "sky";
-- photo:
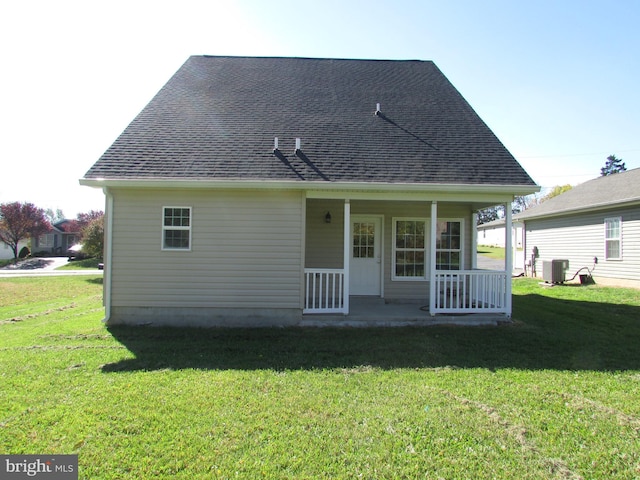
(557, 81)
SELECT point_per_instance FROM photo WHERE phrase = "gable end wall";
(246, 253)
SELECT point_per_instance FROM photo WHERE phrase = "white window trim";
(395, 278)
(46, 240)
(165, 228)
(462, 242)
(619, 239)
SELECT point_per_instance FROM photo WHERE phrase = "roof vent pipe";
(275, 143)
(297, 144)
(378, 109)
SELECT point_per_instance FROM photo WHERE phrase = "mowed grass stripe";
(555, 395)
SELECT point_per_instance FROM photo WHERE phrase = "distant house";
(492, 234)
(258, 191)
(6, 253)
(62, 236)
(594, 225)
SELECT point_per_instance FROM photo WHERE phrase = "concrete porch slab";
(374, 312)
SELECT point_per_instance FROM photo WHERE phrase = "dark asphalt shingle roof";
(217, 117)
(599, 193)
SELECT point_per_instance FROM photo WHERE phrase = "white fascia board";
(355, 190)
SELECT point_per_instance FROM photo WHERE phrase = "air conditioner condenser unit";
(554, 271)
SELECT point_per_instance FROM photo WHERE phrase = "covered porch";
(462, 293)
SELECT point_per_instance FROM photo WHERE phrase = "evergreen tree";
(613, 165)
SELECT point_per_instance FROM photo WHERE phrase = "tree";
(93, 237)
(490, 214)
(555, 191)
(613, 165)
(19, 221)
(84, 219)
(54, 216)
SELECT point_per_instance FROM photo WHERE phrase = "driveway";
(44, 266)
(488, 263)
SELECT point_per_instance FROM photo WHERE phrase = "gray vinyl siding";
(324, 247)
(580, 238)
(246, 250)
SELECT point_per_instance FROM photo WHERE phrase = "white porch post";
(432, 258)
(474, 240)
(508, 254)
(347, 253)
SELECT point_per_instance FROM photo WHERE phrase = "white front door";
(365, 268)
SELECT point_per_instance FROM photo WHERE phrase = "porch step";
(392, 321)
(375, 312)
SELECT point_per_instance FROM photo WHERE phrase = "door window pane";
(363, 240)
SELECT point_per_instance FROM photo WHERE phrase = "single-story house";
(259, 191)
(6, 252)
(63, 235)
(492, 234)
(595, 226)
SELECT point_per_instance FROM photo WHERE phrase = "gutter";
(309, 185)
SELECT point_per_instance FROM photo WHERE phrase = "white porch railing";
(475, 291)
(324, 290)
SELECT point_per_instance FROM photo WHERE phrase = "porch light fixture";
(327, 218)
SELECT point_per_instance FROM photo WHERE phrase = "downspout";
(108, 255)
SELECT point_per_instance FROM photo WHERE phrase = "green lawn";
(491, 252)
(555, 395)
(87, 263)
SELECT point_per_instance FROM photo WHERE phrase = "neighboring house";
(62, 236)
(6, 253)
(255, 191)
(492, 234)
(594, 225)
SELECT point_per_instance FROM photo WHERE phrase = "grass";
(496, 253)
(87, 263)
(555, 395)
(5, 262)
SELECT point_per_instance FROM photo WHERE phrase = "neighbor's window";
(46, 240)
(409, 249)
(613, 238)
(176, 228)
(449, 245)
